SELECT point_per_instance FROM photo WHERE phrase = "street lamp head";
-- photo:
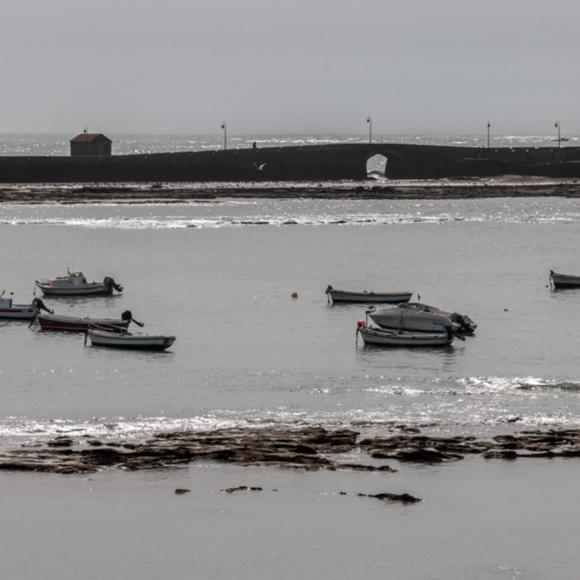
(369, 119)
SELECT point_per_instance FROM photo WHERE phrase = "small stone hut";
(90, 145)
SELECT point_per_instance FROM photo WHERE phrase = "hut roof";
(86, 137)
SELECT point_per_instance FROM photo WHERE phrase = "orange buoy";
(294, 294)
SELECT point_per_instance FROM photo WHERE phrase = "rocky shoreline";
(510, 186)
(310, 448)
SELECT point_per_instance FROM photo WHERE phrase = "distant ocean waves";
(123, 144)
(286, 213)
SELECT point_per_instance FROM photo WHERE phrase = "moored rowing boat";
(129, 341)
(366, 297)
(382, 337)
(563, 281)
(78, 324)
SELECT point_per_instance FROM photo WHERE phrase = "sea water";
(220, 277)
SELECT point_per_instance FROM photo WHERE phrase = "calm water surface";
(246, 352)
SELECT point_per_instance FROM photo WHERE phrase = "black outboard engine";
(128, 316)
(328, 291)
(39, 305)
(111, 284)
(467, 325)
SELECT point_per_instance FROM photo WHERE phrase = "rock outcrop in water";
(515, 186)
(310, 448)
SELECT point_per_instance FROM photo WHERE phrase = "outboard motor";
(467, 325)
(328, 290)
(39, 305)
(128, 316)
(111, 284)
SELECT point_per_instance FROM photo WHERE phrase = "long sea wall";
(319, 162)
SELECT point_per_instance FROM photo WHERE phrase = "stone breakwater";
(364, 189)
(312, 448)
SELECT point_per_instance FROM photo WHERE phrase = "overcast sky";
(301, 66)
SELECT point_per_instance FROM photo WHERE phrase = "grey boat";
(422, 318)
(563, 281)
(366, 297)
(383, 337)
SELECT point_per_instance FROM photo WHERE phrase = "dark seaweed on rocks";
(310, 448)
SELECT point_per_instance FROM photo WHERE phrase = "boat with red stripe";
(82, 324)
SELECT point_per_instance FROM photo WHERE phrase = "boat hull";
(422, 318)
(381, 337)
(397, 320)
(346, 297)
(71, 324)
(130, 342)
(563, 281)
(91, 290)
(18, 313)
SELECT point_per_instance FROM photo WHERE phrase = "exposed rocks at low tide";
(506, 186)
(311, 448)
(403, 498)
(242, 488)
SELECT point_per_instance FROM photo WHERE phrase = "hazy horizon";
(306, 68)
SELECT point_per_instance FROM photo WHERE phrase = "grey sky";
(265, 66)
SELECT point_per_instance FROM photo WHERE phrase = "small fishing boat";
(129, 341)
(366, 297)
(75, 284)
(422, 318)
(382, 337)
(11, 311)
(563, 281)
(78, 324)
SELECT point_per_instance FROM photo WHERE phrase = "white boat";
(75, 284)
(563, 281)
(382, 337)
(366, 297)
(422, 318)
(11, 311)
(129, 341)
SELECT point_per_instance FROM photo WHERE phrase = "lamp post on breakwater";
(558, 135)
(488, 133)
(225, 129)
(370, 122)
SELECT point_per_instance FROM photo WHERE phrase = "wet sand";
(508, 186)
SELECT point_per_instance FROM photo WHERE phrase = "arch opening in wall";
(377, 166)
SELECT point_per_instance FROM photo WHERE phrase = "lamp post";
(488, 132)
(370, 122)
(225, 128)
(558, 137)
